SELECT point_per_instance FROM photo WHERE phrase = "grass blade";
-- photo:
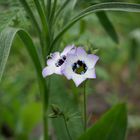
(108, 26)
(42, 16)
(109, 6)
(30, 13)
(61, 9)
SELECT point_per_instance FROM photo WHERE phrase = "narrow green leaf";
(53, 10)
(112, 126)
(42, 16)
(6, 40)
(30, 13)
(108, 26)
(61, 9)
(49, 5)
(109, 6)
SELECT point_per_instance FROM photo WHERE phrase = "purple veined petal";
(47, 71)
(81, 53)
(91, 60)
(90, 73)
(78, 79)
(68, 49)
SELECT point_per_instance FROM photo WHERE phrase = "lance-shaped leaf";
(108, 26)
(112, 126)
(109, 6)
(6, 40)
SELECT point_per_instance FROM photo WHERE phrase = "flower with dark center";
(56, 60)
(79, 66)
(60, 61)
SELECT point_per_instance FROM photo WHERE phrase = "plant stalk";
(66, 126)
(85, 108)
(45, 116)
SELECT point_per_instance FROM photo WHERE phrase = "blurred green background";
(118, 75)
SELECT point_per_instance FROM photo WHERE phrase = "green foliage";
(110, 6)
(6, 40)
(65, 100)
(48, 19)
(107, 25)
(112, 125)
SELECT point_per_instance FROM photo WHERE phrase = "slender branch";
(85, 108)
(66, 125)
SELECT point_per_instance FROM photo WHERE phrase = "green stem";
(66, 125)
(45, 108)
(85, 108)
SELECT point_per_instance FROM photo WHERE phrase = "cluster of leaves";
(7, 36)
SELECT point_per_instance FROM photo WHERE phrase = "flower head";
(56, 61)
(79, 66)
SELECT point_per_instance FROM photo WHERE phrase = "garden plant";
(51, 55)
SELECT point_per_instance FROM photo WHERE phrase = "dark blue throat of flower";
(79, 67)
(60, 61)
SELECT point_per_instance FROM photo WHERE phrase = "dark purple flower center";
(60, 61)
(79, 67)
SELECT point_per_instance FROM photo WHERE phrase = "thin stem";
(66, 125)
(85, 108)
(45, 108)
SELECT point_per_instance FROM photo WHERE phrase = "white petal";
(66, 69)
(47, 71)
(54, 58)
(91, 60)
(71, 59)
(58, 70)
(81, 53)
(78, 79)
(68, 49)
(90, 73)
(56, 55)
(50, 62)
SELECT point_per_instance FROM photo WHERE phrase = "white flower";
(57, 60)
(79, 66)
